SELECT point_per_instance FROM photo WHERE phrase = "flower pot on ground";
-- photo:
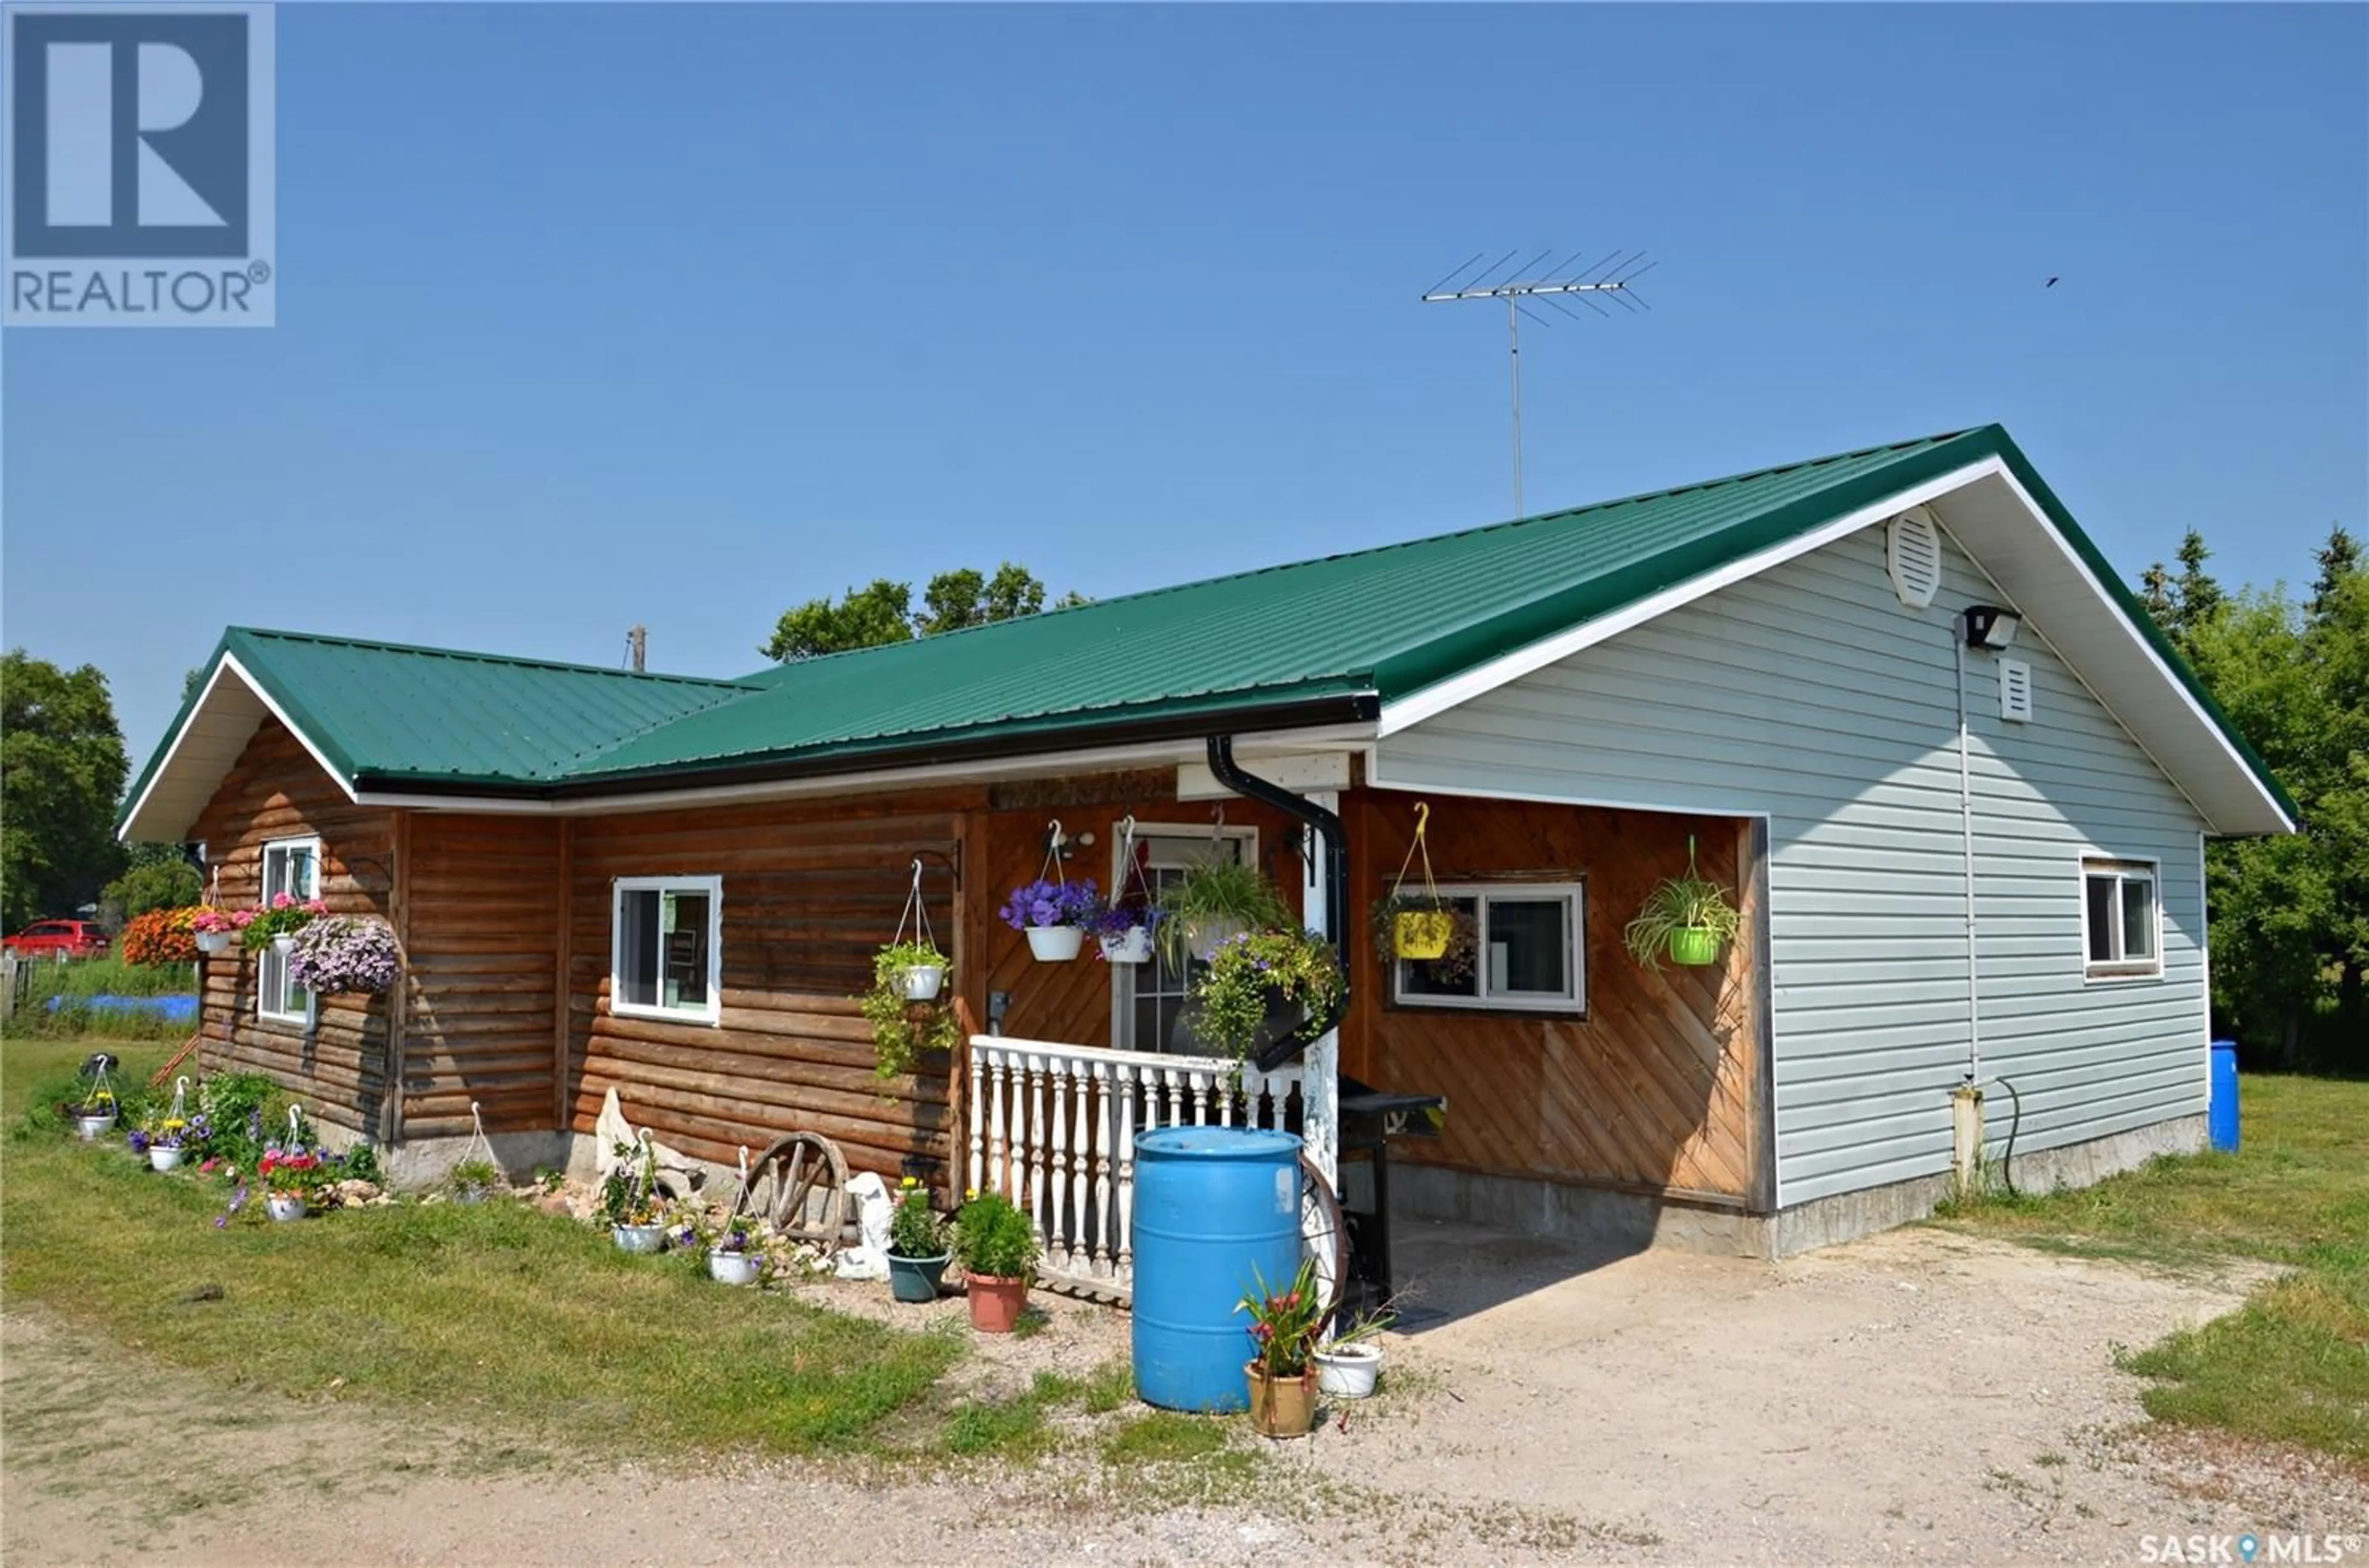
(472, 1180)
(1685, 919)
(1214, 903)
(285, 1206)
(903, 1025)
(734, 1268)
(998, 1248)
(1055, 915)
(736, 1251)
(1284, 1324)
(917, 1254)
(1348, 1371)
(291, 1176)
(165, 1156)
(644, 1237)
(1281, 1406)
(92, 1124)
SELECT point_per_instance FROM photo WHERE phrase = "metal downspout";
(1966, 841)
(1336, 883)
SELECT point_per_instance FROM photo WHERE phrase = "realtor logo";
(140, 166)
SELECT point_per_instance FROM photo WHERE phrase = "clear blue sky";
(597, 315)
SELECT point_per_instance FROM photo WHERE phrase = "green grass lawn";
(495, 1311)
(2293, 1364)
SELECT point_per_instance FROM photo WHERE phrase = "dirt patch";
(1918, 1395)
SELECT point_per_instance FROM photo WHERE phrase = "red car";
(60, 939)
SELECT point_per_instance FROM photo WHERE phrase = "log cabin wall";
(1650, 1090)
(276, 790)
(480, 986)
(810, 892)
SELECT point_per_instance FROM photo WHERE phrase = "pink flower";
(281, 901)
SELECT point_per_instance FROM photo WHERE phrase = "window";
(1530, 953)
(292, 867)
(1146, 999)
(666, 954)
(2118, 921)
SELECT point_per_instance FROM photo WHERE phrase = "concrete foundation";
(1631, 1221)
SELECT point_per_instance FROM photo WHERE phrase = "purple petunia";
(1041, 904)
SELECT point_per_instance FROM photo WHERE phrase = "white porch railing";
(1053, 1127)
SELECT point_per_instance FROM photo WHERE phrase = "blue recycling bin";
(2221, 1108)
(1215, 1210)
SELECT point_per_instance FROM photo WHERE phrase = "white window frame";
(2120, 867)
(1123, 976)
(712, 887)
(271, 965)
(1575, 895)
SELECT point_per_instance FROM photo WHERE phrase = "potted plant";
(1348, 1364)
(1428, 930)
(215, 929)
(998, 1247)
(472, 1181)
(736, 1253)
(1284, 1326)
(168, 1141)
(629, 1200)
(918, 1254)
(289, 1177)
(93, 1115)
(1055, 915)
(1687, 918)
(1124, 931)
(1215, 902)
(278, 925)
(905, 1023)
(1253, 981)
(345, 954)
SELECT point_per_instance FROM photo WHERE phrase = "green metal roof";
(391, 710)
(1320, 637)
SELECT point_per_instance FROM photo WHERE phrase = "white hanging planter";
(214, 941)
(1135, 947)
(285, 1206)
(1348, 1371)
(95, 1126)
(1056, 944)
(162, 1159)
(732, 1269)
(922, 981)
(642, 1238)
(283, 944)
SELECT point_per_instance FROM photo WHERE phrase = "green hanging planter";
(1694, 945)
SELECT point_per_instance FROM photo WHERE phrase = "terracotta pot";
(1281, 1407)
(996, 1300)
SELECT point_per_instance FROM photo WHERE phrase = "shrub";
(993, 1239)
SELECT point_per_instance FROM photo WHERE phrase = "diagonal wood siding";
(1652, 1089)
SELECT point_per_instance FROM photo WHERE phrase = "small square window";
(2120, 923)
(1525, 952)
(666, 961)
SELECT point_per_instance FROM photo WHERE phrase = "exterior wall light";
(1988, 626)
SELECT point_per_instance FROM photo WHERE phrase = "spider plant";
(1685, 919)
(1216, 899)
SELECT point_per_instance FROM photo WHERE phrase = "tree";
(883, 613)
(2179, 604)
(158, 877)
(61, 769)
(2290, 916)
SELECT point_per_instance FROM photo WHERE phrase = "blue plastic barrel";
(2221, 1110)
(1216, 1208)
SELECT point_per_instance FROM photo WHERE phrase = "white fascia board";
(1345, 738)
(1432, 701)
(229, 665)
(2147, 648)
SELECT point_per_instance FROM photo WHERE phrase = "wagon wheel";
(799, 1187)
(1324, 1238)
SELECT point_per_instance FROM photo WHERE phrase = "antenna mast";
(1610, 278)
(637, 645)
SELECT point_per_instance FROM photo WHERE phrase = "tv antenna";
(1612, 278)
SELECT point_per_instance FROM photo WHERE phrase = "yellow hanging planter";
(1422, 934)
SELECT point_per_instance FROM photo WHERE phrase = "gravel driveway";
(1915, 1396)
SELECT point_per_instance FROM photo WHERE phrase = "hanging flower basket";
(214, 941)
(1122, 932)
(1422, 934)
(345, 954)
(1131, 946)
(1694, 945)
(1055, 944)
(1685, 918)
(907, 977)
(1055, 915)
(1415, 923)
(923, 982)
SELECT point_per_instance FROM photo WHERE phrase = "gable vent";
(2015, 690)
(1912, 551)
